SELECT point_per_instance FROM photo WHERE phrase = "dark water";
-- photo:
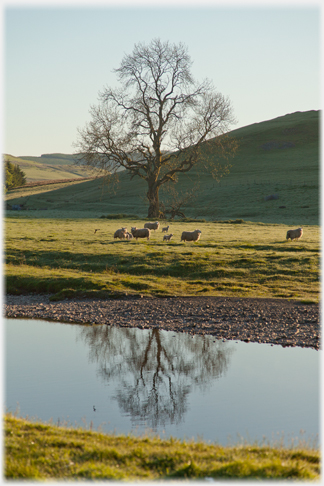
(173, 384)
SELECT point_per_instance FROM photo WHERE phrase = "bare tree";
(159, 123)
(156, 370)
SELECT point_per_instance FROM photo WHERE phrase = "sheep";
(128, 236)
(141, 233)
(294, 234)
(120, 233)
(152, 226)
(167, 237)
(166, 229)
(191, 235)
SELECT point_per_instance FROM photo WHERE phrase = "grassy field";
(38, 451)
(276, 157)
(68, 257)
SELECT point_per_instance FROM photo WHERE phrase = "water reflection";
(189, 387)
(156, 369)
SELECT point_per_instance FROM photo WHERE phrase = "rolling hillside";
(49, 167)
(274, 178)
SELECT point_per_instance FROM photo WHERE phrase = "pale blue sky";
(56, 60)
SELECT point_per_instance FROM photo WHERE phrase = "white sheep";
(120, 233)
(167, 237)
(141, 233)
(165, 229)
(129, 236)
(294, 234)
(152, 226)
(191, 235)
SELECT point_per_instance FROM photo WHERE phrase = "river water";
(166, 383)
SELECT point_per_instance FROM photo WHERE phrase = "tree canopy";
(14, 176)
(160, 122)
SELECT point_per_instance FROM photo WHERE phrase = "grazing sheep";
(191, 235)
(152, 226)
(167, 237)
(128, 236)
(294, 234)
(141, 233)
(120, 233)
(166, 229)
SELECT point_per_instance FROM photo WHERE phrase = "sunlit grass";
(246, 259)
(39, 451)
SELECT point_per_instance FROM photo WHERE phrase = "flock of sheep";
(145, 232)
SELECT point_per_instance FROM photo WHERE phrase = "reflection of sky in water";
(174, 383)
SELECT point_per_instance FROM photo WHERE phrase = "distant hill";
(49, 167)
(274, 178)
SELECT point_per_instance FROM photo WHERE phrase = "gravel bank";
(275, 321)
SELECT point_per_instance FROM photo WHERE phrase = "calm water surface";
(173, 384)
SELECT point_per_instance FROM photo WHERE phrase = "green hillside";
(49, 167)
(278, 158)
(53, 159)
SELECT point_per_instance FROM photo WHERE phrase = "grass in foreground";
(34, 450)
(68, 257)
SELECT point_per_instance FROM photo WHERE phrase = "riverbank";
(88, 455)
(273, 321)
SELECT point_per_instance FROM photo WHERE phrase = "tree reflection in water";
(157, 369)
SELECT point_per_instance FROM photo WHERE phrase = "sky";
(58, 56)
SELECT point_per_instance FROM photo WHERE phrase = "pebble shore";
(274, 321)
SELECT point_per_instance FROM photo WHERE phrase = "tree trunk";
(153, 197)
